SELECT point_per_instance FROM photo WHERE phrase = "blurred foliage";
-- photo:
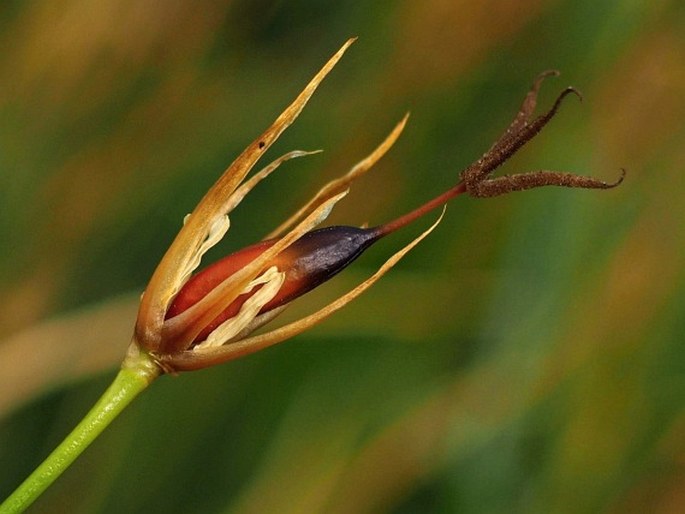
(525, 358)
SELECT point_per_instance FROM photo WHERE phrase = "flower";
(187, 321)
(171, 339)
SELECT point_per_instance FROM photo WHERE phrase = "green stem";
(137, 372)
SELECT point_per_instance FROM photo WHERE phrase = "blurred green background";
(525, 358)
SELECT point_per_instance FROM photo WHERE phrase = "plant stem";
(136, 373)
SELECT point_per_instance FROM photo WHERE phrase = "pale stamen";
(271, 281)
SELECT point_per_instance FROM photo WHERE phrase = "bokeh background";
(527, 357)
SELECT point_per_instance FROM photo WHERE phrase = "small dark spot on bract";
(262, 144)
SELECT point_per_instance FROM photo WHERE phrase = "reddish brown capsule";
(314, 258)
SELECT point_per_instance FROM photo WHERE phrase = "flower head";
(188, 321)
